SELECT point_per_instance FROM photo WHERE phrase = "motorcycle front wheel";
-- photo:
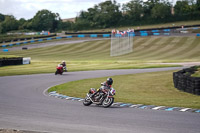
(56, 72)
(87, 101)
(108, 102)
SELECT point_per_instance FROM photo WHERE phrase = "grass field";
(95, 55)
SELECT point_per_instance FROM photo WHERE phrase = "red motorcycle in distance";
(59, 70)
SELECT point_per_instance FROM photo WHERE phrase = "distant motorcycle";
(103, 97)
(59, 70)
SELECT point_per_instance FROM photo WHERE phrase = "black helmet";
(109, 81)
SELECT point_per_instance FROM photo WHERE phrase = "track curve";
(24, 106)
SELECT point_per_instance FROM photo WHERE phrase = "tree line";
(108, 14)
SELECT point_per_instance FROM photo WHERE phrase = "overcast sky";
(66, 8)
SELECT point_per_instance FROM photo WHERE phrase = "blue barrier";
(40, 40)
(18, 43)
(166, 30)
(198, 34)
(3, 46)
(106, 35)
(5, 50)
(184, 29)
(25, 42)
(131, 34)
(58, 37)
(68, 36)
(155, 30)
(81, 35)
(166, 33)
(32, 41)
(93, 35)
(156, 34)
(49, 38)
(143, 31)
(10, 44)
(195, 28)
(118, 35)
(144, 34)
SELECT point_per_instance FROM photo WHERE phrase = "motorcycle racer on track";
(102, 96)
(105, 86)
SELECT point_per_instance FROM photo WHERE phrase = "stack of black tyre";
(11, 61)
(184, 82)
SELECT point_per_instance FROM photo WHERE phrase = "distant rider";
(64, 66)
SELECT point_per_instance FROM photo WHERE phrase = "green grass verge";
(154, 88)
(8, 56)
(197, 73)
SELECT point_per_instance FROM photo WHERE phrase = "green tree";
(109, 13)
(182, 7)
(198, 5)
(161, 11)
(103, 15)
(133, 10)
(148, 6)
(2, 17)
(22, 21)
(45, 20)
(10, 23)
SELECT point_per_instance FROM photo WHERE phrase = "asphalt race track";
(24, 106)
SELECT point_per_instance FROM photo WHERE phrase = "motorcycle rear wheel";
(108, 102)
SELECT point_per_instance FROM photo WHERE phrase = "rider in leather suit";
(107, 84)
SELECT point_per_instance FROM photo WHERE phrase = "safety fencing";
(184, 82)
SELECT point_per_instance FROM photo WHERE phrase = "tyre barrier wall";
(11, 61)
(184, 82)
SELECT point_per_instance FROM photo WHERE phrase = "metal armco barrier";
(184, 82)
